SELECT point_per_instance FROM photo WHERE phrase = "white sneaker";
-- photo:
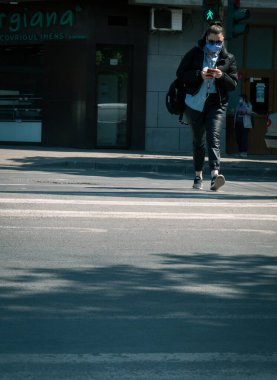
(217, 182)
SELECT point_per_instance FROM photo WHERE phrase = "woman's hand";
(218, 73)
(205, 75)
(211, 73)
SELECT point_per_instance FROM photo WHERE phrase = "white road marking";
(81, 229)
(15, 184)
(120, 202)
(99, 230)
(133, 215)
(237, 230)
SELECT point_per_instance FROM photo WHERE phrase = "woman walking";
(208, 72)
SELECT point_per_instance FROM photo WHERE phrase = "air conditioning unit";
(166, 19)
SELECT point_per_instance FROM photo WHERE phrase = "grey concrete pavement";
(37, 157)
(111, 275)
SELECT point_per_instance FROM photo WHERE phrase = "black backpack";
(175, 99)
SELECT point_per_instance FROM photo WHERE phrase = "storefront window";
(112, 96)
(20, 95)
(18, 106)
(112, 56)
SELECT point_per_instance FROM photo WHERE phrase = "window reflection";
(16, 105)
(112, 62)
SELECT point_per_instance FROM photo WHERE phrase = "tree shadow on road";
(186, 303)
(133, 164)
(150, 193)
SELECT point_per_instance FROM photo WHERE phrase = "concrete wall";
(163, 131)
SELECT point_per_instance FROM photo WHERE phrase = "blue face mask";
(215, 48)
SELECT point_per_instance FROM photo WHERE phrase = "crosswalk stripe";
(120, 202)
(100, 230)
(133, 215)
(63, 228)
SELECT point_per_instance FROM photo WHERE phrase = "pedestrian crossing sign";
(213, 10)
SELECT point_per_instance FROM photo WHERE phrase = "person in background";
(242, 124)
(208, 72)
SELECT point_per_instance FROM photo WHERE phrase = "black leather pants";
(207, 125)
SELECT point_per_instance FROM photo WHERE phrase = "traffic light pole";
(229, 20)
(235, 19)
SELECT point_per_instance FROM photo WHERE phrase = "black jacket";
(189, 72)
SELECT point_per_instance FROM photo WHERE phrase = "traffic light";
(236, 15)
(213, 10)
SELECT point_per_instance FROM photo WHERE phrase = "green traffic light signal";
(209, 15)
(213, 10)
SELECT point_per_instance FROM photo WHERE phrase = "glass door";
(113, 127)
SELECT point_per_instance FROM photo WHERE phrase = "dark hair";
(215, 28)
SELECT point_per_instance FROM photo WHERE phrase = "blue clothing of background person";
(242, 124)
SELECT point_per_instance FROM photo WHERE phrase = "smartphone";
(211, 71)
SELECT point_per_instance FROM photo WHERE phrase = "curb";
(30, 158)
(154, 166)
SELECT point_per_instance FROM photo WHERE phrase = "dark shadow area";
(151, 194)
(191, 303)
(178, 165)
(86, 181)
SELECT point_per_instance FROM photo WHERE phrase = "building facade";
(94, 74)
(73, 73)
(256, 54)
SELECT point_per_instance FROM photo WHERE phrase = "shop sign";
(40, 25)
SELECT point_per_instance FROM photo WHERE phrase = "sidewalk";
(36, 158)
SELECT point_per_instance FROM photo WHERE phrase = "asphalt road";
(107, 275)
